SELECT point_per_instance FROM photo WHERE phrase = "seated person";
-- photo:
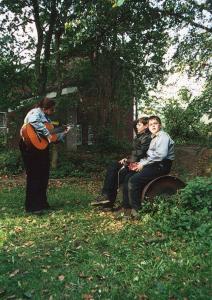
(158, 162)
(117, 171)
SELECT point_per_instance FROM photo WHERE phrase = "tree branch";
(39, 29)
(166, 13)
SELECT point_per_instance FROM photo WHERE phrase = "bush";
(78, 164)
(10, 162)
(107, 142)
(183, 119)
(188, 210)
(197, 194)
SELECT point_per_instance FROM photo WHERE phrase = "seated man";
(158, 162)
(117, 171)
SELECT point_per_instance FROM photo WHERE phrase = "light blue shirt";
(160, 148)
(36, 117)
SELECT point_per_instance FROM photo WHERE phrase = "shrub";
(107, 142)
(197, 194)
(10, 162)
(183, 119)
(188, 210)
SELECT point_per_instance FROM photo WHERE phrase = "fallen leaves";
(61, 277)
(2, 292)
(106, 254)
(28, 294)
(142, 297)
(87, 277)
(14, 273)
(28, 244)
(87, 297)
(18, 229)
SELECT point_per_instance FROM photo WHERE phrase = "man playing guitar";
(34, 147)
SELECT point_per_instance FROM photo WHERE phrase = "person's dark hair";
(46, 103)
(155, 118)
(143, 120)
(134, 126)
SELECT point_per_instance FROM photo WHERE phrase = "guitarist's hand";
(67, 129)
(49, 137)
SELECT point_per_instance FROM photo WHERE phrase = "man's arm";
(157, 152)
(35, 119)
(141, 148)
(144, 146)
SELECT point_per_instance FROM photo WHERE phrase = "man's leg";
(44, 177)
(111, 183)
(114, 177)
(138, 181)
(126, 201)
(33, 188)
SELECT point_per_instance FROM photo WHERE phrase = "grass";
(77, 252)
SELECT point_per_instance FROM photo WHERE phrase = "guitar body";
(32, 138)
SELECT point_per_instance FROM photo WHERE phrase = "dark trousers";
(134, 183)
(113, 179)
(36, 164)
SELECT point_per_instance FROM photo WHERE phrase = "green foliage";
(197, 194)
(183, 119)
(118, 3)
(10, 162)
(119, 47)
(191, 34)
(83, 163)
(108, 258)
(106, 142)
(188, 210)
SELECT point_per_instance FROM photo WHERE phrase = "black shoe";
(51, 208)
(107, 207)
(100, 200)
(135, 214)
(36, 212)
(117, 209)
(47, 206)
(123, 213)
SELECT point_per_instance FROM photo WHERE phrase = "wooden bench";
(165, 186)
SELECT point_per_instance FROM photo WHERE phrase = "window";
(3, 127)
(78, 133)
(90, 135)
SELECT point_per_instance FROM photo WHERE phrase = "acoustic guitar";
(32, 138)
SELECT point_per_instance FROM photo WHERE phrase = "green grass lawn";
(77, 252)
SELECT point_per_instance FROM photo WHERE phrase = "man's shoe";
(36, 212)
(117, 209)
(100, 200)
(123, 213)
(134, 214)
(51, 208)
(107, 207)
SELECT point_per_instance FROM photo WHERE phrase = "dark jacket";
(140, 146)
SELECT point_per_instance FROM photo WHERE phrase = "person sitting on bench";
(117, 170)
(158, 162)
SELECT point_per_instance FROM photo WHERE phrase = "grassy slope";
(80, 253)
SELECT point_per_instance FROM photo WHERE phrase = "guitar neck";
(57, 130)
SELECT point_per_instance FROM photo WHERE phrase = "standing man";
(37, 161)
(117, 170)
(158, 162)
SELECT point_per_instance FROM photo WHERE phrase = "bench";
(165, 186)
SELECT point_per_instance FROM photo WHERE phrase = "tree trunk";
(54, 159)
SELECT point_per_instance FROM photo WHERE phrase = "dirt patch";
(192, 161)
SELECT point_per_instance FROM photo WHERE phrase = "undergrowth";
(80, 253)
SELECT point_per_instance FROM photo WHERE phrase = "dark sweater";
(140, 146)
